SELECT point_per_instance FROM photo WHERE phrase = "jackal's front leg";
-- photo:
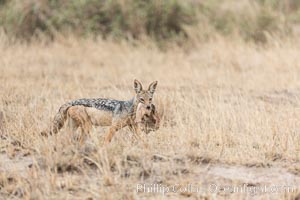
(137, 133)
(111, 132)
(116, 125)
(136, 129)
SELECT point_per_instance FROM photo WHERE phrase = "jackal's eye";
(150, 99)
(142, 99)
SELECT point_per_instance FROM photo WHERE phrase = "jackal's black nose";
(148, 107)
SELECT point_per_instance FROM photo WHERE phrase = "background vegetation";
(160, 20)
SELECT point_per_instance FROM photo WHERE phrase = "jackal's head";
(144, 96)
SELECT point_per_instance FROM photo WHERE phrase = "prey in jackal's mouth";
(147, 119)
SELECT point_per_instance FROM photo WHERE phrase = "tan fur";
(82, 117)
(79, 118)
(99, 117)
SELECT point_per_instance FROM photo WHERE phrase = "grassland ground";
(230, 117)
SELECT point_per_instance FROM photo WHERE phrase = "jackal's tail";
(58, 121)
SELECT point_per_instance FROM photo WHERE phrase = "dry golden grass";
(230, 117)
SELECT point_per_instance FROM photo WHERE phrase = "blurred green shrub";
(252, 20)
(161, 20)
(126, 19)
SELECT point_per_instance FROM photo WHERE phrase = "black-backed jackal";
(138, 113)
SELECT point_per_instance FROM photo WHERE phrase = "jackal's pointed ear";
(137, 86)
(152, 87)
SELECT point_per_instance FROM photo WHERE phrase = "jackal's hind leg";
(72, 127)
(85, 129)
(79, 120)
